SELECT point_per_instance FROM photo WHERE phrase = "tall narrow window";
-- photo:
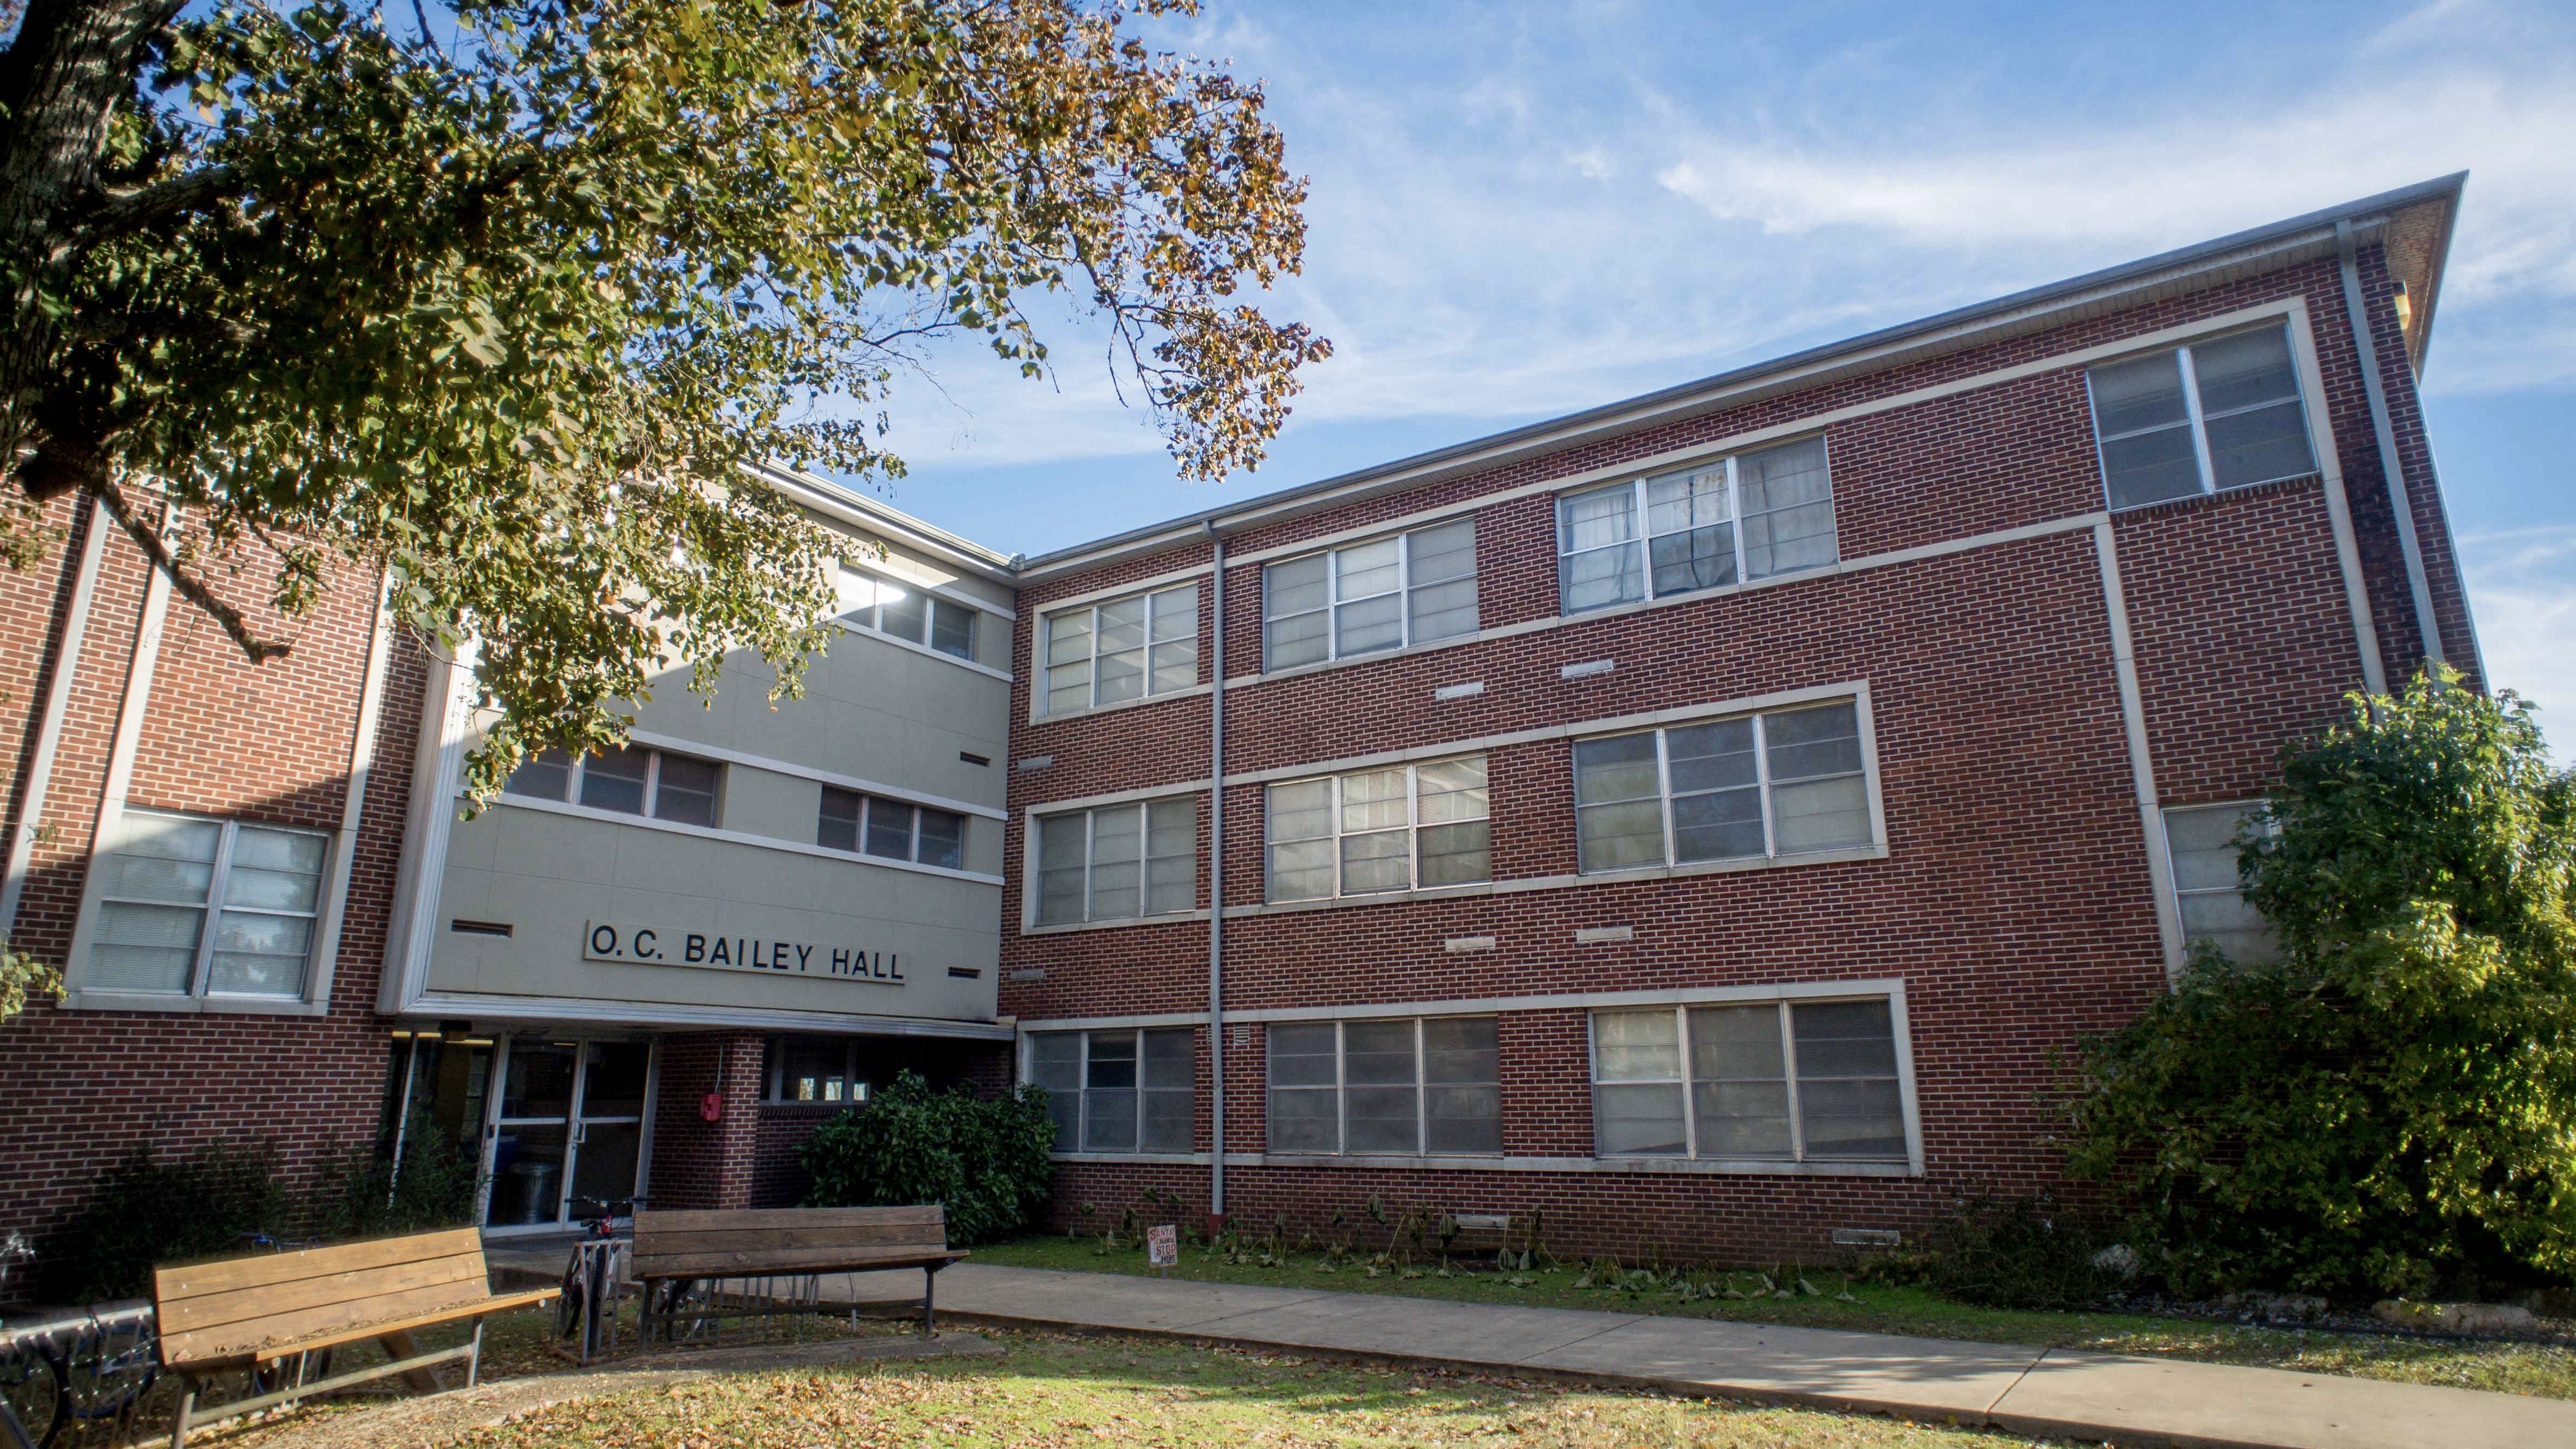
(1388, 593)
(1374, 831)
(1805, 1081)
(629, 780)
(1412, 1086)
(1118, 1091)
(197, 907)
(2215, 415)
(1118, 862)
(1130, 648)
(908, 612)
(1785, 782)
(1745, 517)
(2201, 844)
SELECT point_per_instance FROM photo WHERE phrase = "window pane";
(1122, 676)
(1122, 650)
(1380, 1104)
(1441, 568)
(1293, 604)
(943, 839)
(902, 610)
(1711, 756)
(1597, 519)
(1068, 687)
(1376, 862)
(1456, 854)
(1600, 562)
(812, 1070)
(1364, 570)
(2248, 370)
(1109, 1093)
(1620, 768)
(1694, 544)
(2151, 467)
(1300, 811)
(1300, 870)
(1682, 502)
(1700, 559)
(686, 791)
(1299, 825)
(1740, 1081)
(1717, 825)
(2138, 395)
(1168, 1122)
(1175, 656)
(1788, 508)
(163, 858)
(1598, 579)
(2260, 445)
(1374, 800)
(1068, 661)
(1848, 1102)
(1632, 1046)
(1630, 1121)
(2145, 430)
(259, 955)
(889, 830)
(614, 780)
(952, 628)
(1368, 626)
(1171, 1057)
(1810, 743)
(1304, 1114)
(1055, 1063)
(1377, 1053)
(1301, 1054)
(1117, 858)
(1451, 790)
(1462, 1092)
(855, 597)
(836, 825)
(546, 775)
(1617, 837)
(1171, 855)
(1821, 814)
(1060, 869)
(1113, 1061)
(143, 948)
(2203, 842)
(276, 870)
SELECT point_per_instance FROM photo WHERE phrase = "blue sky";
(1519, 210)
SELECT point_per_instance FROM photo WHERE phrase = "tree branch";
(190, 587)
(120, 212)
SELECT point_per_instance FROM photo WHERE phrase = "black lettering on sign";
(723, 954)
(603, 940)
(696, 950)
(645, 947)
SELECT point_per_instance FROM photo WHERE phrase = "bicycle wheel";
(103, 1371)
(30, 1397)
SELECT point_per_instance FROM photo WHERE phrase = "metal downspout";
(2386, 432)
(1216, 885)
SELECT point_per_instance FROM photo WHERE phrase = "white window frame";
(2173, 872)
(1644, 539)
(1033, 849)
(1342, 1085)
(1413, 827)
(201, 964)
(652, 789)
(1041, 689)
(1785, 1004)
(931, 599)
(1403, 592)
(1762, 779)
(1083, 1093)
(2291, 342)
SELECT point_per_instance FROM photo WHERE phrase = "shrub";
(2017, 1253)
(983, 1159)
(360, 1194)
(145, 1212)
(2389, 1107)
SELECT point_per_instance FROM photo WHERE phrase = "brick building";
(1696, 819)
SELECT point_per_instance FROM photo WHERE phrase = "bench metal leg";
(187, 1407)
(400, 1346)
(929, 1292)
(474, 1361)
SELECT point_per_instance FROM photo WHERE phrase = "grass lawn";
(1060, 1392)
(2520, 1368)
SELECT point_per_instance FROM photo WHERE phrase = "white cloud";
(2522, 587)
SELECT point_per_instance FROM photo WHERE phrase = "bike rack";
(99, 1365)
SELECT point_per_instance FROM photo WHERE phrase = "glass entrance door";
(568, 1122)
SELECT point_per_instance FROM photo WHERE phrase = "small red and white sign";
(1163, 1245)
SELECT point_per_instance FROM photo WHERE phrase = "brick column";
(698, 1163)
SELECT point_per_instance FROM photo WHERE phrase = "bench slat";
(651, 1241)
(789, 1260)
(693, 1220)
(230, 1274)
(305, 1324)
(463, 1272)
(188, 1353)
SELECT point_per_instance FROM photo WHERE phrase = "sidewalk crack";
(2016, 1383)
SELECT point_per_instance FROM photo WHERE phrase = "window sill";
(1069, 927)
(1560, 882)
(1176, 1159)
(1666, 1166)
(942, 655)
(1165, 697)
(172, 1004)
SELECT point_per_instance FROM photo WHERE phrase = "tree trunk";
(59, 81)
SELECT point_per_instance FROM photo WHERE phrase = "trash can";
(532, 1192)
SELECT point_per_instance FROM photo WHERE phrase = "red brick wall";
(268, 743)
(2014, 901)
(697, 1163)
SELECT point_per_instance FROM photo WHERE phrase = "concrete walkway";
(2088, 1396)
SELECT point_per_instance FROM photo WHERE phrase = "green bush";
(2390, 1108)
(2017, 1253)
(983, 1159)
(145, 1212)
(360, 1194)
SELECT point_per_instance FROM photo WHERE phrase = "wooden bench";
(683, 1248)
(256, 1313)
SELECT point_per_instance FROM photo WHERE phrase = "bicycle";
(588, 1306)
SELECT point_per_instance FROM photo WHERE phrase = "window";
(1384, 594)
(815, 1069)
(1421, 1086)
(2214, 415)
(1379, 830)
(680, 787)
(1782, 498)
(167, 873)
(1118, 861)
(1802, 1081)
(908, 612)
(1783, 783)
(1118, 1091)
(891, 829)
(1125, 649)
(2201, 843)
